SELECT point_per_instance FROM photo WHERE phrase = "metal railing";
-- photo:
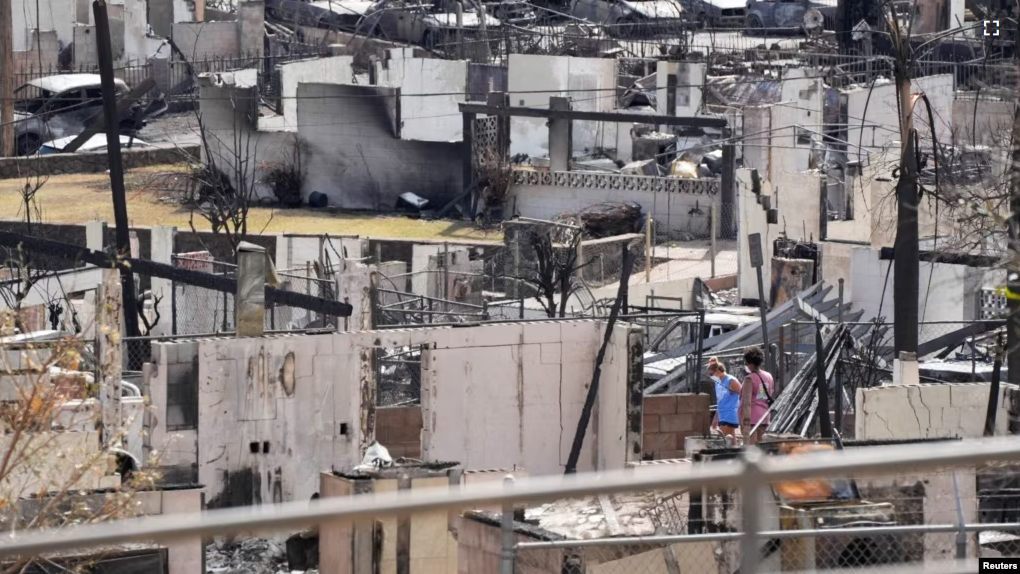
(751, 475)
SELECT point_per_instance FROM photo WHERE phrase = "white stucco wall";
(427, 118)
(333, 70)
(533, 382)
(947, 292)
(57, 15)
(690, 79)
(496, 396)
(532, 80)
(797, 196)
(779, 137)
(873, 114)
(929, 411)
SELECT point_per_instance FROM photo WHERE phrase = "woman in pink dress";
(756, 397)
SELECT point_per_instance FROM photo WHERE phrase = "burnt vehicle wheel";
(753, 26)
(28, 144)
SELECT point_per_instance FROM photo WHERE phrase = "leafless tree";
(547, 263)
(49, 454)
(23, 270)
(224, 189)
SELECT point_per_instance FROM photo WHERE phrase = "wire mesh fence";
(840, 523)
(199, 310)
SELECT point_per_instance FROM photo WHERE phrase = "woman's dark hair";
(754, 356)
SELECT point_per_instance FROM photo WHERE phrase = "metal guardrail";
(751, 475)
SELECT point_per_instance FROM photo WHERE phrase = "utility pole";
(104, 51)
(1013, 262)
(6, 79)
(905, 285)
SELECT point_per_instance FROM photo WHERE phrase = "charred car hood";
(656, 9)
(727, 4)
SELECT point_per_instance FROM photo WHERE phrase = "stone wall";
(92, 162)
(669, 419)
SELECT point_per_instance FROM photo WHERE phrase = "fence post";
(751, 491)
(648, 249)
(961, 535)
(712, 224)
(446, 273)
(506, 565)
(517, 265)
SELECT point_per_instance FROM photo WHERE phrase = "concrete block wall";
(670, 210)
(932, 411)
(251, 18)
(533, 79)
(176, 449)
(435, 118)
(336, 69)
(55, 15)
(300, 404)
(669, 419)
(354, 158)
(798, 198)
(948, 292)
(399, 430)
(42, 53)
(202, 40)
(690, 80)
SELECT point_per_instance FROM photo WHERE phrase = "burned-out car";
(789, 15)
(60, 106)
(430, 26)
(321, 14)
(716, 13)
(634, 18)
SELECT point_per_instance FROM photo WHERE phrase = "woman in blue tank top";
(727, 398)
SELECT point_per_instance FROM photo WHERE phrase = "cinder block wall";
(668, 420)
(399, 430)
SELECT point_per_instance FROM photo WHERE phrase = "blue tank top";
(727, 401)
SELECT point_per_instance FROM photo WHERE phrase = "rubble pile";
(609, 219)
(248, 556)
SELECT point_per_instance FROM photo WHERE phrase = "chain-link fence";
(841, 523)
(199, 310)
(697, 242)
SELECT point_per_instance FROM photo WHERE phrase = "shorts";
(729, 425)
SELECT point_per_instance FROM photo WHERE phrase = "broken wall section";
(946, 410)
(275, 411)
(798, 199)
(429, 118)
(533, 79)
(949, 293)
(347, 133)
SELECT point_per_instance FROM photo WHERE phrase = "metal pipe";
(301, 514)
(506, 565)
(766, 535)
(751, 493)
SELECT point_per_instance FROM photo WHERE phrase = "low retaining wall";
(92, 162)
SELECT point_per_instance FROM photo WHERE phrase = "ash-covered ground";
(249, 556)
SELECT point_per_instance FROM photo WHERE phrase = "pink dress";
(759, 400)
